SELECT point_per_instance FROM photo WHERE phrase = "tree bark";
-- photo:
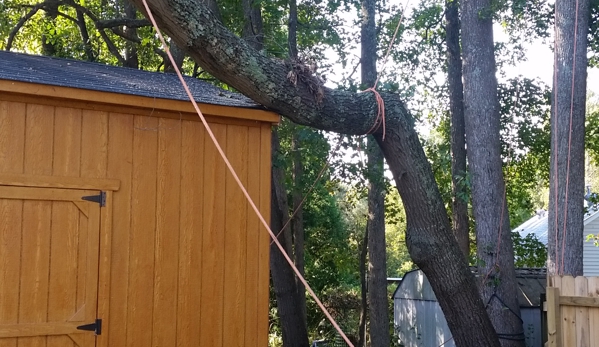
(429, 237)
(459, 203)
(293, 328)
(378, 303)
(494, 246)
(566, 187)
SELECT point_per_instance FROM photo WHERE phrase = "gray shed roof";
(105, 78)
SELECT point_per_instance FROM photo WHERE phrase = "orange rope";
(380, 117)
(239, 183)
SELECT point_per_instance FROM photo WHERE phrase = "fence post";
(554, 324)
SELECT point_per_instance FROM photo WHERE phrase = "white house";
(538, 226)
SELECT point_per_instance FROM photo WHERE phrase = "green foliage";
(593, 36)
(593, 238)
(525, 109)
(529, 251)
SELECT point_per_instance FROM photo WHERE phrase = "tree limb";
(20, 23)
(89, 52)
(119, 22)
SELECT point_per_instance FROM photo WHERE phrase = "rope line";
(239, 183)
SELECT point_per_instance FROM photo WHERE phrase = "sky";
(539, 64)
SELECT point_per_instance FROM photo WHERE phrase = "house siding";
(590, 251)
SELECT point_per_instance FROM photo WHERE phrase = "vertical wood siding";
(188, 261)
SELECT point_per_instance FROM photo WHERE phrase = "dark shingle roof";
(106, 78)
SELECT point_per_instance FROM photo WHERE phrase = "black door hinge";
(100, 198)
(95, 327)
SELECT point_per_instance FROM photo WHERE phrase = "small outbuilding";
(120, 224)
(419, 321)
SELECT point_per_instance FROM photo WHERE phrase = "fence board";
(572, 311)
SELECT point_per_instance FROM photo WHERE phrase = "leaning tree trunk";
(566, 184)
(494, 246)
(378, 302)
(459, 202)
(267, 81)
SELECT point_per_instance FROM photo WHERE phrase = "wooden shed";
(119, 222)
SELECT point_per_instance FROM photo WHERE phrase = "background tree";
(459, 203)
(495, 254)
(566, 183)
(377, 264)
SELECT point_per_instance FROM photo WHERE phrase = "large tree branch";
(429, 238)
(222, 54)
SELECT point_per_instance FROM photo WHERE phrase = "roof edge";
(117, 99)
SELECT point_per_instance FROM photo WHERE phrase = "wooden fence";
(572, 311)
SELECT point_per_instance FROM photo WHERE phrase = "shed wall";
(186, 261)
(421, 323)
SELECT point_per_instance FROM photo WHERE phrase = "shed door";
(49, 240)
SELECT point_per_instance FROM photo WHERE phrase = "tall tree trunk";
(298, 173)
(252, 30)
(363, 291)
(131, 56)
(297, 223)
(292, 29)
(429, 237)
(494, 246)
(377, 251)
(459, 203)
(566, 186)
(293, 328)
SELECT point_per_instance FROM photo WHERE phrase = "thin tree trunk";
(293, 328)
(292, 29)
(459, 202)
(178, 55)
(363, 290)
(89, 50)
(566, 186)
(252, 30)
(297, 224)
(131, 56)
(377, 250)
(494, 246)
